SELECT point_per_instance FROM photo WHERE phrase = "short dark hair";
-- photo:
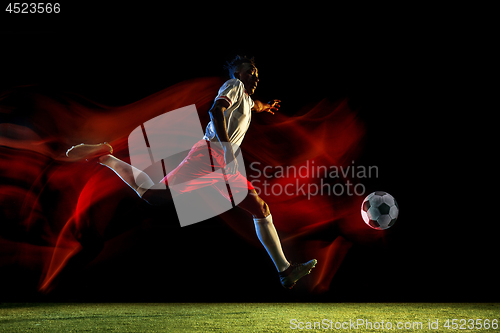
(236, 63)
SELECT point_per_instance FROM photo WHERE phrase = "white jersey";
(237, 115)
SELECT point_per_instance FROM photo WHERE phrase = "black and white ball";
(379, 210)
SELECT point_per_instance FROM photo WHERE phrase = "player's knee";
(255, 205)
(263, 210)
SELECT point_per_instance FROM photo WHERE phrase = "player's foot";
(296, 271)
(88, 151)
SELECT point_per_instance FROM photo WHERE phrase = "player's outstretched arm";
(217, 116)
(270, 107)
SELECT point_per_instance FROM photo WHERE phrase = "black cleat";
(293, 273)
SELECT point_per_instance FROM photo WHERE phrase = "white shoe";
(88, 151)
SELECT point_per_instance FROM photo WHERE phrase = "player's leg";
(139, 181)
(136, 179)
(268, 236)
(264, 227)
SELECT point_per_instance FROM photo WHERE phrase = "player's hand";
(231, 162)
(273, 106)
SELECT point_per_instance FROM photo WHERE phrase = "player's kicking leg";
(289, 273)
(138, 180)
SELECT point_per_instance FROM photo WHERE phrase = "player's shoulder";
(236, 83)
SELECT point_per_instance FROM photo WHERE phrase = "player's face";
(250, 77)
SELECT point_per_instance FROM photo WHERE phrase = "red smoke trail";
(50, 206)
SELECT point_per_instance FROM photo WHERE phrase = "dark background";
(399, 73)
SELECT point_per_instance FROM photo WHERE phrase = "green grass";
(239, 317)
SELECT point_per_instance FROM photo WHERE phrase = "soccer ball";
(379, 210)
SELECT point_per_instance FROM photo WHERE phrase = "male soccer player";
(230, 119)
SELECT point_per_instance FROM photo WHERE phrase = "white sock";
(266, 232)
